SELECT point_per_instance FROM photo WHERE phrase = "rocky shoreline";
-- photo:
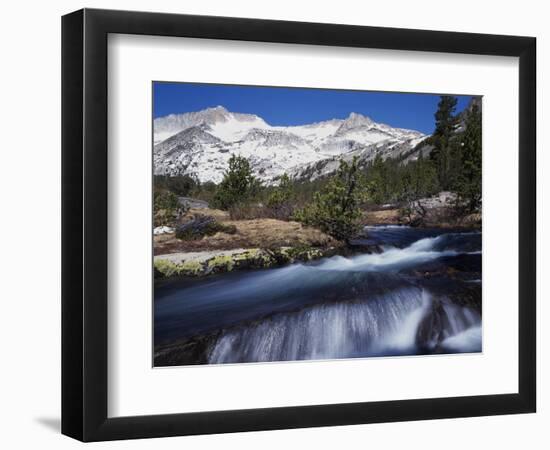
(268, 243)
(438, 211)
(200, 264)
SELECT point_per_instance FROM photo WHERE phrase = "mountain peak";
(354, 120)
(359, 119)
(218, 108)
(213, 115)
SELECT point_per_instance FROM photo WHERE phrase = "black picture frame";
(84, 224)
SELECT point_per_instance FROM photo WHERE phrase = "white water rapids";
(387, 325)
(339, 307)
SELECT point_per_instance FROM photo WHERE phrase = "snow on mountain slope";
(224, 125)
(314, 133)
(201, 143)
(390, 148)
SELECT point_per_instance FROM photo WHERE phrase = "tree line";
(452, 163)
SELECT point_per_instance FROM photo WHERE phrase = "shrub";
(336, 209)
(166, 208)
(281, 200)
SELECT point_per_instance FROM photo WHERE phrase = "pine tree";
(378, 178)
(469, 180)
(336, 209)
(281, 198)
(238, 184)
(442, 154)
(282, 193)
(423, 179)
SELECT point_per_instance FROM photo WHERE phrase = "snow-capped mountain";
(201, 143)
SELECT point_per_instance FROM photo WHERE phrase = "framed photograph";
(274, 225)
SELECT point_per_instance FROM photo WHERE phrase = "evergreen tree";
(238, 184)
(469, 180)
(378, 180)
(336, 209)
(282, 193)
(442, 154)
(419, 180)
(394, 180)
(281, 198)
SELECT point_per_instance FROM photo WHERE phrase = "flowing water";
(420, 295)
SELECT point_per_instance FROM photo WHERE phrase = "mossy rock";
(165, 268)
(221, 263)
(251, 259)
(191, 268)
(254, 259)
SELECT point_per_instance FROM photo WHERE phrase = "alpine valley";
(340, 239)
(200, 144)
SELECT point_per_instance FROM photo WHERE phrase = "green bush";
(282, 199)
(238, 184)
(336, 209)
(166, 208)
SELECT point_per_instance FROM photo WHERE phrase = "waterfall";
(384, 325)
(467, 341)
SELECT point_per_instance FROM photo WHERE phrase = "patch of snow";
(162, 230)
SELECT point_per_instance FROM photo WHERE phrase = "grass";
(251, 233)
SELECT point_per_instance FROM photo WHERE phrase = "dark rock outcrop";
(201, 226)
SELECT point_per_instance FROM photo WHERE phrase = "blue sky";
(297, 106)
